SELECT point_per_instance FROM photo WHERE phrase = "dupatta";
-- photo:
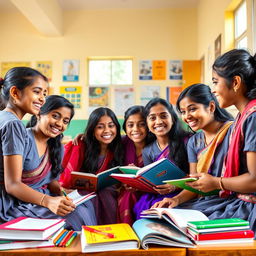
(205, 156)
(164, 154)
(232, 163)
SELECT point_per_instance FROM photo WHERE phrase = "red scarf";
(232, 164)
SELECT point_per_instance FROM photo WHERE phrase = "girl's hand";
(164, 189)
(166, 202)
(59, 205)
(205, 183)
(78, 138)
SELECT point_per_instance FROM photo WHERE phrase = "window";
(240, 15)
(110, 72)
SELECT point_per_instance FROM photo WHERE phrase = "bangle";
(42, 199)
(221, 184)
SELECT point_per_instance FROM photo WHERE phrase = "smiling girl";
(100, 149)
(170, 142)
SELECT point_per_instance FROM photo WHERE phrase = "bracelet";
(221, 184)
(42, 199)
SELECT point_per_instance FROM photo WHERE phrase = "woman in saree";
(206, 148)
(234, 76)
(100, 149)
(170, 142)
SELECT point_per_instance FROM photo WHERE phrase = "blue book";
(151, 175)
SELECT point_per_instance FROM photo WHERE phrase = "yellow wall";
(159, 34)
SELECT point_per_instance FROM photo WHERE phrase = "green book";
(181, 183)
(218, 223)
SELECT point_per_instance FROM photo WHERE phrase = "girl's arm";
(15, 187)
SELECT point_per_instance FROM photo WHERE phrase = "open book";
(150, 175)
(181, 183)
(93, 182)
(79, 199)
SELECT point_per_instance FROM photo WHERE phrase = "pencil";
(71, 239)
(61, 238)
(58, 236)
(66, 238)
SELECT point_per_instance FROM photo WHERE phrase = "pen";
(61, 238)
(66, 238)
(71, 239)
(65, 194)
(58, 236)
(96, 231)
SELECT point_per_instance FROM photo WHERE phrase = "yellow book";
(124, 238)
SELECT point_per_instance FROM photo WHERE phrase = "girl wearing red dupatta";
(99, 150)
(234, 76)
(170, 142)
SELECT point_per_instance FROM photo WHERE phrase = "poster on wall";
(98, 96)
(159, 70)
(217, 46)
(172, 94)
(73, 94)
(148, 92)
(5, 66)
(175, 69)
(45, 67)
(145, 70)
(124, 98)
(70, 70)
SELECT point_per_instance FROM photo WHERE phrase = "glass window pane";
(240, 20)
(99, 72)
(122, 72)
(242, 44)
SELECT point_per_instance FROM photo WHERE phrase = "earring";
(235, 89)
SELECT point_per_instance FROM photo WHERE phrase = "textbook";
(93, 182)
(176, 217)
(26, 228)
(79, 199)
(124, 238)
(129, 169)
(160, 232)
(181, 183)
(151, 175)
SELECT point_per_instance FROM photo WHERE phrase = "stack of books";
(25, 232)
(220, 231)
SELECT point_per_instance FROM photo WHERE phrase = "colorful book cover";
(93, 182)
(151, 175)
(181, 183)
(218, 223)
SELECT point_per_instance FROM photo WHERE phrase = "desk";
(75, 250)
(224, 250)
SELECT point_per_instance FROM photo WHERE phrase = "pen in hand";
(65, 194)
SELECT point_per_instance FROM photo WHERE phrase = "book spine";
(224, 235)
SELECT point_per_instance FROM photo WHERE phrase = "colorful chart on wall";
(145, 70)
(70, 70)
(45, 67)
(175, 69)
(124, 98)
(172, 94)
(148, 92)
(73, 94)
(159, 70)
(98, 96)
(5, 66)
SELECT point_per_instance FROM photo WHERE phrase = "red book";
(223, 235)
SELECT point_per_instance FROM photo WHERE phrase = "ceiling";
(110, 4)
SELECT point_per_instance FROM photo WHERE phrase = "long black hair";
(54, 144)
(21, 77)
(238, 62)
(92, 145)
(177, 135)
(201, 93)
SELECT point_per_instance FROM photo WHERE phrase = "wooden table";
(224, 250)
(75, 250)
